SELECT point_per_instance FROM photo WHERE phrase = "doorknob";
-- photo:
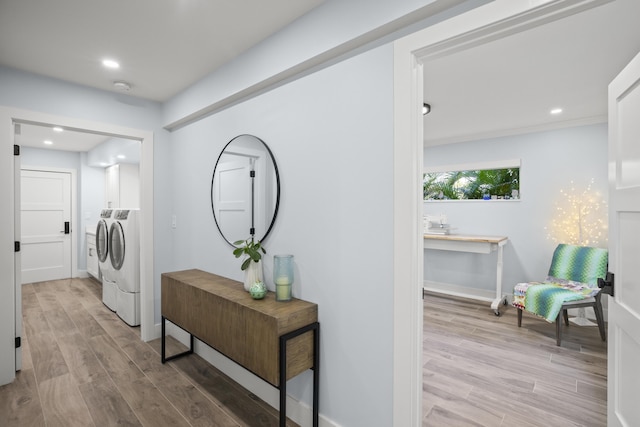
(67, 228)
(607, 284)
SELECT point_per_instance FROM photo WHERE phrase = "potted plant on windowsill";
(252, 264)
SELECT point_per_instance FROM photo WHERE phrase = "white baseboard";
(459, 291)
(298, 411)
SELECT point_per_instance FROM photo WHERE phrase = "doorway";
(11, 116)
(495, 20)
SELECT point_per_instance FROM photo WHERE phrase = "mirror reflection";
(245, 189)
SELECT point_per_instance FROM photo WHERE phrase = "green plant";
(470, 184)
(250, 248)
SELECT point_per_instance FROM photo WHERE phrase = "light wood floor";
(482, 370)
(83, 366)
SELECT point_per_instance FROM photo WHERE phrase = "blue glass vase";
(283, 276)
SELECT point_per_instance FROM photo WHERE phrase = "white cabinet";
(92, 256)
(122, 186)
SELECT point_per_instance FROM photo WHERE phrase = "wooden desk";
(274, 340)
(474, 244)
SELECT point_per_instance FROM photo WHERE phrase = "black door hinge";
(16, 150)
(18, 342)
(16, 246)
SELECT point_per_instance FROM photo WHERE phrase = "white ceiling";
(504, 87)
(508, 86)
(163, 46)
(68, 140)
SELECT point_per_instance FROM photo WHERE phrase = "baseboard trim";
(459, 291)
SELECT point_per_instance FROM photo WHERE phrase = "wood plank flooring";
(482, 370)
(83, 366)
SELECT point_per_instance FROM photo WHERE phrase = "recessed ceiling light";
(556, 111)
(57, 129)
(48, 142)
(110, 63)
(121, 156)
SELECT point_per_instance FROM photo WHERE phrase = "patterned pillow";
(579, 264)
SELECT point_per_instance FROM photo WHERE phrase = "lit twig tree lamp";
(580, 219)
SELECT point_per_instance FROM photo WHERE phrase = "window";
(477, 181)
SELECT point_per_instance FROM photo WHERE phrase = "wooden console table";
(475, 244)
(274, 340)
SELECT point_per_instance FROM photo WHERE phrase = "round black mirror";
(245, 190)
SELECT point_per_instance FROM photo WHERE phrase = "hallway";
(83, 366)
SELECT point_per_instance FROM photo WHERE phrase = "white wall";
(92, 199)
(335, 162)
(551, 161)
(52, 158)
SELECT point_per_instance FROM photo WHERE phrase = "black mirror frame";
(277, 174)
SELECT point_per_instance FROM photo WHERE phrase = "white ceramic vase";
(252, 274)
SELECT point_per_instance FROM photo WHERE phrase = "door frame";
(74, 206)
(8, 117)
(498, 19)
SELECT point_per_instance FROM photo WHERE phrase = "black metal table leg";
(316, 373)
(163, 357)
(315, 327)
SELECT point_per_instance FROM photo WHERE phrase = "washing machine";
(124, 252)
(104, 261)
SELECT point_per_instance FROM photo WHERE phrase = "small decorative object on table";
(258, 290)
(283, 276)
(251, 264)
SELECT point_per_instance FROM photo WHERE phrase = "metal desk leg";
(315, 327)
(316, 373)
(500, 298)
(163, 357)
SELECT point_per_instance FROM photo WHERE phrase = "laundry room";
(69, 181)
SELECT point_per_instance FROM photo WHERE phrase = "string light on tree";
(580, 218)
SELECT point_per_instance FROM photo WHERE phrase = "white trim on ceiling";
(313, 64)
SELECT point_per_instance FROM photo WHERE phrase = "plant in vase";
(252, 265)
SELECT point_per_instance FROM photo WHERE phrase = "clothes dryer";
(104, 262)
(125, 260)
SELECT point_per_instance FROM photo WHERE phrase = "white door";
(233, 197)
(46, 225)
(624, 247)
